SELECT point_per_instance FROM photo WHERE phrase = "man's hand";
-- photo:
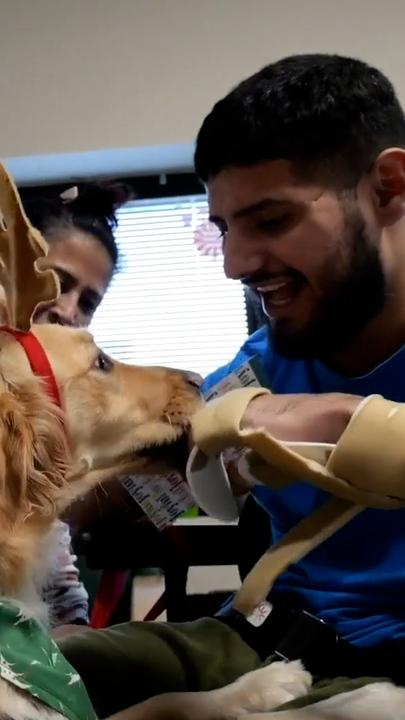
(302, 418)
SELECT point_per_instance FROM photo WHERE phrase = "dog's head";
(115, 410)
(111, 412)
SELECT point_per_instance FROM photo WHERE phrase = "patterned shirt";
(64, 593)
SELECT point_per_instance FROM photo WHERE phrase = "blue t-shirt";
(356, 579)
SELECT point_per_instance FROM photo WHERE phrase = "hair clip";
(70, 194)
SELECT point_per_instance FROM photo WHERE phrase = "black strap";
(292, 634)
(265, 638)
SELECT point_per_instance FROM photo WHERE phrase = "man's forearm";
(303, 418)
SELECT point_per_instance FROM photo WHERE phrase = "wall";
(134, 78)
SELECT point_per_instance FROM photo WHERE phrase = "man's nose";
(241, 260)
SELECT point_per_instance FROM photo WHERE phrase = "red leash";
(37, 359)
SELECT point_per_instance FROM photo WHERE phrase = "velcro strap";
(298, 542)
(217, 425)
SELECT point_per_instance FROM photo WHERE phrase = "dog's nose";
(193, 379)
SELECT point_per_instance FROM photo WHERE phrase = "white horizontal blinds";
(170, 304)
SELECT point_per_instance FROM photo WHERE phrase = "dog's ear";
(34, 455)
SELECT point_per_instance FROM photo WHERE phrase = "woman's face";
(84, 268)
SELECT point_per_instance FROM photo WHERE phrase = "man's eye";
(103, 363)
(274, 223)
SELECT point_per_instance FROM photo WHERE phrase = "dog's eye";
(103, 363)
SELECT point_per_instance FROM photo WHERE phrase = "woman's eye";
(103, 363)
(88, 306)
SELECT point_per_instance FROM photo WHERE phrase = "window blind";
(170, 303)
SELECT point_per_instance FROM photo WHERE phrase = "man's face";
(307, 251)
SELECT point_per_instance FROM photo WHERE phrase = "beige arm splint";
(365, 469)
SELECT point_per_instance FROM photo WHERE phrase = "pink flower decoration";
(208, 240)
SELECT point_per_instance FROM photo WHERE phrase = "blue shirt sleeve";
(256, 344)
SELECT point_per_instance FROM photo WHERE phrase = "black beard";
(348, 304)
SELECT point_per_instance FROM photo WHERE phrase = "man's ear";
(388, 185)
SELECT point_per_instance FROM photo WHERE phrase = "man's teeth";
(271, 287)
(278, 291)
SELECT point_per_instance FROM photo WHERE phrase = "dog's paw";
(274, 685)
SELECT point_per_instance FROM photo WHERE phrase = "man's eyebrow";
(251, 209)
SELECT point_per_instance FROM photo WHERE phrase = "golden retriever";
(48, 456)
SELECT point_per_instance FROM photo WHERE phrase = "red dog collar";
(38, 360)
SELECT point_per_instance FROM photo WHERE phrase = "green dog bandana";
(31, 660)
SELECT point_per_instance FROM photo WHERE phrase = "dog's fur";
(48, 458)
(253, 695)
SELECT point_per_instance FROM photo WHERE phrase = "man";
(304, 165)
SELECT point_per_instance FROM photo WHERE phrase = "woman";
(79, 228)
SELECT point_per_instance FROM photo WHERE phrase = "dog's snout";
(193, 379)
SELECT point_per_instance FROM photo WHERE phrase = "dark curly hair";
(329, 115)
(92, 211)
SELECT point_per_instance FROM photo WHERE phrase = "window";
(170, 303)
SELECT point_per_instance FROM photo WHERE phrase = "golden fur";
(112, 411)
